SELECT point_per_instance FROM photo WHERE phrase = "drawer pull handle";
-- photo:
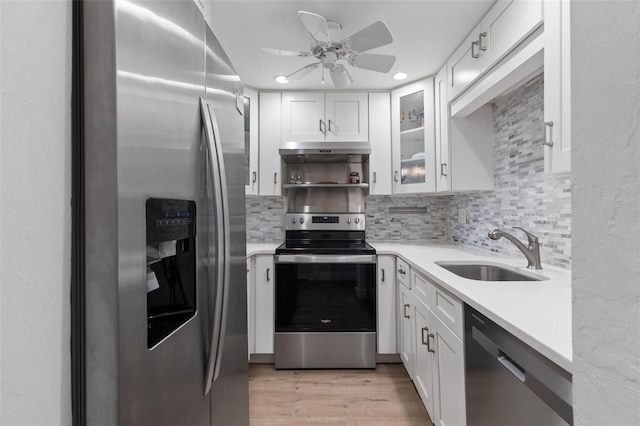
(405, 311)
(425, 341)
(474, 55)
(429, 348)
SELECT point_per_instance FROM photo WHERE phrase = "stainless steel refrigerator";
(160, 291)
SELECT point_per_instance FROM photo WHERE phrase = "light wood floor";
(385, 396)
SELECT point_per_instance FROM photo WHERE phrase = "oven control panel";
(320, 221)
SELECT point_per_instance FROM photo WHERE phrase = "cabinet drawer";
(448, 308)
(403, 273)
(422, 288)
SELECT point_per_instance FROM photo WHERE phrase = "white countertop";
(537, 312)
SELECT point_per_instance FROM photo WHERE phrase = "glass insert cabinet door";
(413, 138)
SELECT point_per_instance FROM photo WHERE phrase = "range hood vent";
(325, 152)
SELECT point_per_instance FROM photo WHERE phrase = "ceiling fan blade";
(297, 75)
(373, 62)
(340, 77)
(316, 25)
(279, 52)
(375, 35)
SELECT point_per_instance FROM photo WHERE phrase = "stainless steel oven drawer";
(325, 350)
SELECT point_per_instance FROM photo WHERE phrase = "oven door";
(325, 293)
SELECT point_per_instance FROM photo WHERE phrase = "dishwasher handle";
(510, 365)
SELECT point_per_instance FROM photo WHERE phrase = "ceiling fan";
(332, 55)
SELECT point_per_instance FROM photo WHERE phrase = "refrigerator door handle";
(213, 167)
(226, 235)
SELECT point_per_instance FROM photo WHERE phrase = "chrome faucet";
(532, 253)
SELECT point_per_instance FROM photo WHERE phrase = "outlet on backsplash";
(462, 216)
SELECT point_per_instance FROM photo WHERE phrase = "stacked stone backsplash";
(265, 216)
(524, 196)
(406, 218)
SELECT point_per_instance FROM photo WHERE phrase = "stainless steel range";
(325, 295)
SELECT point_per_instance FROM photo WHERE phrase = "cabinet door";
(442, 131)
(404, 327)
(449, 356)
(413, 143)
(251, 136)
(270, 178)
(264, 304)
(557, 88)
(347, 117)
(303, 117)
(423, 363)
(386, 297)
(380, 139)
(464, 65)
(505, 26)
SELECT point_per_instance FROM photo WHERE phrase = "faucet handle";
(532, 238)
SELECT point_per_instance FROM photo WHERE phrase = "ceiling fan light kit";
(332, 55)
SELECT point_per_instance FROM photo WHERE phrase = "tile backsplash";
(265, 219)
(406, 217)
(524, 196)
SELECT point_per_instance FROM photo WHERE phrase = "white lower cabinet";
(262, 297)
(431, 352)
(404, 328)
(386, 299)
(449, 403)
(423, 365)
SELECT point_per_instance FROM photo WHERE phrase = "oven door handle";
(325, 258)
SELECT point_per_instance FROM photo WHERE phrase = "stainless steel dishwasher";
(507, 382)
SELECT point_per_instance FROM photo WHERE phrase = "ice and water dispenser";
(171, 266)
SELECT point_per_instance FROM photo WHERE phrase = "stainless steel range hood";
(325, 152)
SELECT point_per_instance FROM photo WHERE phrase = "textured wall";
(406, 217)
(265, 219)
(35, 106)
(605, 103)
(524, 196)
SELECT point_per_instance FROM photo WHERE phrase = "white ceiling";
(425, 33)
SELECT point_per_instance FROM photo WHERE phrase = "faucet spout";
(532, 252)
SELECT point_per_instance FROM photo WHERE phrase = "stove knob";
(301, 220)
(357, 220)
(348, 220)
(293, 220)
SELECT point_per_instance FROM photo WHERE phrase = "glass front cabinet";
(413, 138)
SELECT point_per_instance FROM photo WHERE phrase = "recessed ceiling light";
(282, 79)
(400, 76)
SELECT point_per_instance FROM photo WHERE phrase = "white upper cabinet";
(443, 183)
(346, 116)
(507, 24)
(464, 65)
(251, 140)
(380, 139)
(557, 88)
(270, 179)
(412, 131)
(317, 116)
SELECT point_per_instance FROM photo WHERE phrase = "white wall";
(35, 213)
(606, 211)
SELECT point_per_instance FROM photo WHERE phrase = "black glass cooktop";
(322, 242)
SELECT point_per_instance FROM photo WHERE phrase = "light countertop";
(537, 312)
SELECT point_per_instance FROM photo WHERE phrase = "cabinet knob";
(356, 220)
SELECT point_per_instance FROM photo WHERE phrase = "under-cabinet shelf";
(324, 185)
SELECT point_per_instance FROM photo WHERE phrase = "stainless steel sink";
(487, 272)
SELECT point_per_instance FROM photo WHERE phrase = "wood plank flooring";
(380, 397)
